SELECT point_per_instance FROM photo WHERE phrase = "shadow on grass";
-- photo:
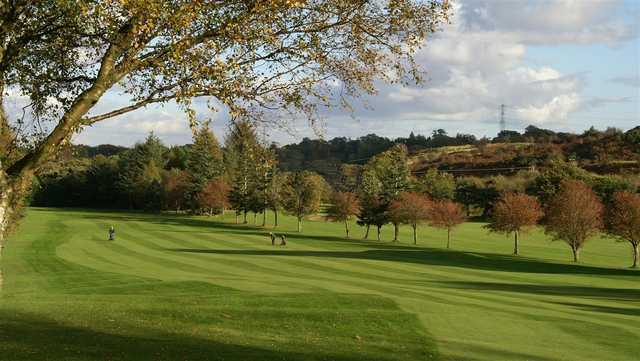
(604, 309)
(27, 337)
(435, 257)
(623, 294)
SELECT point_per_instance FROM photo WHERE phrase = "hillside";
(606, 152)
(508, 158)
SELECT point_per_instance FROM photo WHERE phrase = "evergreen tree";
(204, 162)
(139, 168)
(240, 157)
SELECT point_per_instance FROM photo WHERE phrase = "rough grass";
(190, 288)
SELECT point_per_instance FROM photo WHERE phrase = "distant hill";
(608, 151)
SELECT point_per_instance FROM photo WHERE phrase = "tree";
(437, 185)
(606, 186)
(214, 196)
(574, 215)
(369, 196)
(140, 170)
(175, 184)
(411, 208)
(514, 213)
(388, 176)
(623, 220)
(547, 184)
(65, 56)
(302, 195)
(265, 169)
(344, 206)
(241, 155)
(468, 191)
(373, 213)
(204, 161)
(274, 194)
(447, 215)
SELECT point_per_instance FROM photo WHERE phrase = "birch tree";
(247, 56)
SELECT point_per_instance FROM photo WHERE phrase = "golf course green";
(199, 288)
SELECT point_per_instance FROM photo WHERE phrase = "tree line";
(572, 204)
(243, 176)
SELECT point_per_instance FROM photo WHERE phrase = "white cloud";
(477, 63)
(550, 21)
(557, 108)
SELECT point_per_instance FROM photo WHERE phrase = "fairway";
(197, 288)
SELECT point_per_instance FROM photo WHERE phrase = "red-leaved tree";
(214, 196)
(447, 215)
(515, 213)
(623, 220)
(574, 215)
(344, 207)
(411, 208)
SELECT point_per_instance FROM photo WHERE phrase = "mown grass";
(197, 288)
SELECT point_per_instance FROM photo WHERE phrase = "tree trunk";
(636, 255)
(7, 192)
(255, 218)
(448, 238)
(379, 232)
(4, 215)
(237, 218)
(275, 218)
(346, 227)
(299, 224)
(576, 254)
(264, 218)
(516, 248)
(366, 234)
(396, 226)
(245, 218)
(415, 233)
(5, 196)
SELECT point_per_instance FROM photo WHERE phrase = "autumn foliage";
(447, 215)
(574, 215)
(514, 213)
(214, 196)
(411, 208)
(344, 206)
(623, 220)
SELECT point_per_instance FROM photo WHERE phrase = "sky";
(564, 65)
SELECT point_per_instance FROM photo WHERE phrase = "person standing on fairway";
(112, 233)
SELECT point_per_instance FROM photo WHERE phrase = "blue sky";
(559, 64)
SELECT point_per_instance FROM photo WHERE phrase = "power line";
(475, 169)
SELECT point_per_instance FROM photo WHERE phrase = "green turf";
(190, 288)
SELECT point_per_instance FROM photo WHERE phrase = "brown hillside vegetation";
(509, 158)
